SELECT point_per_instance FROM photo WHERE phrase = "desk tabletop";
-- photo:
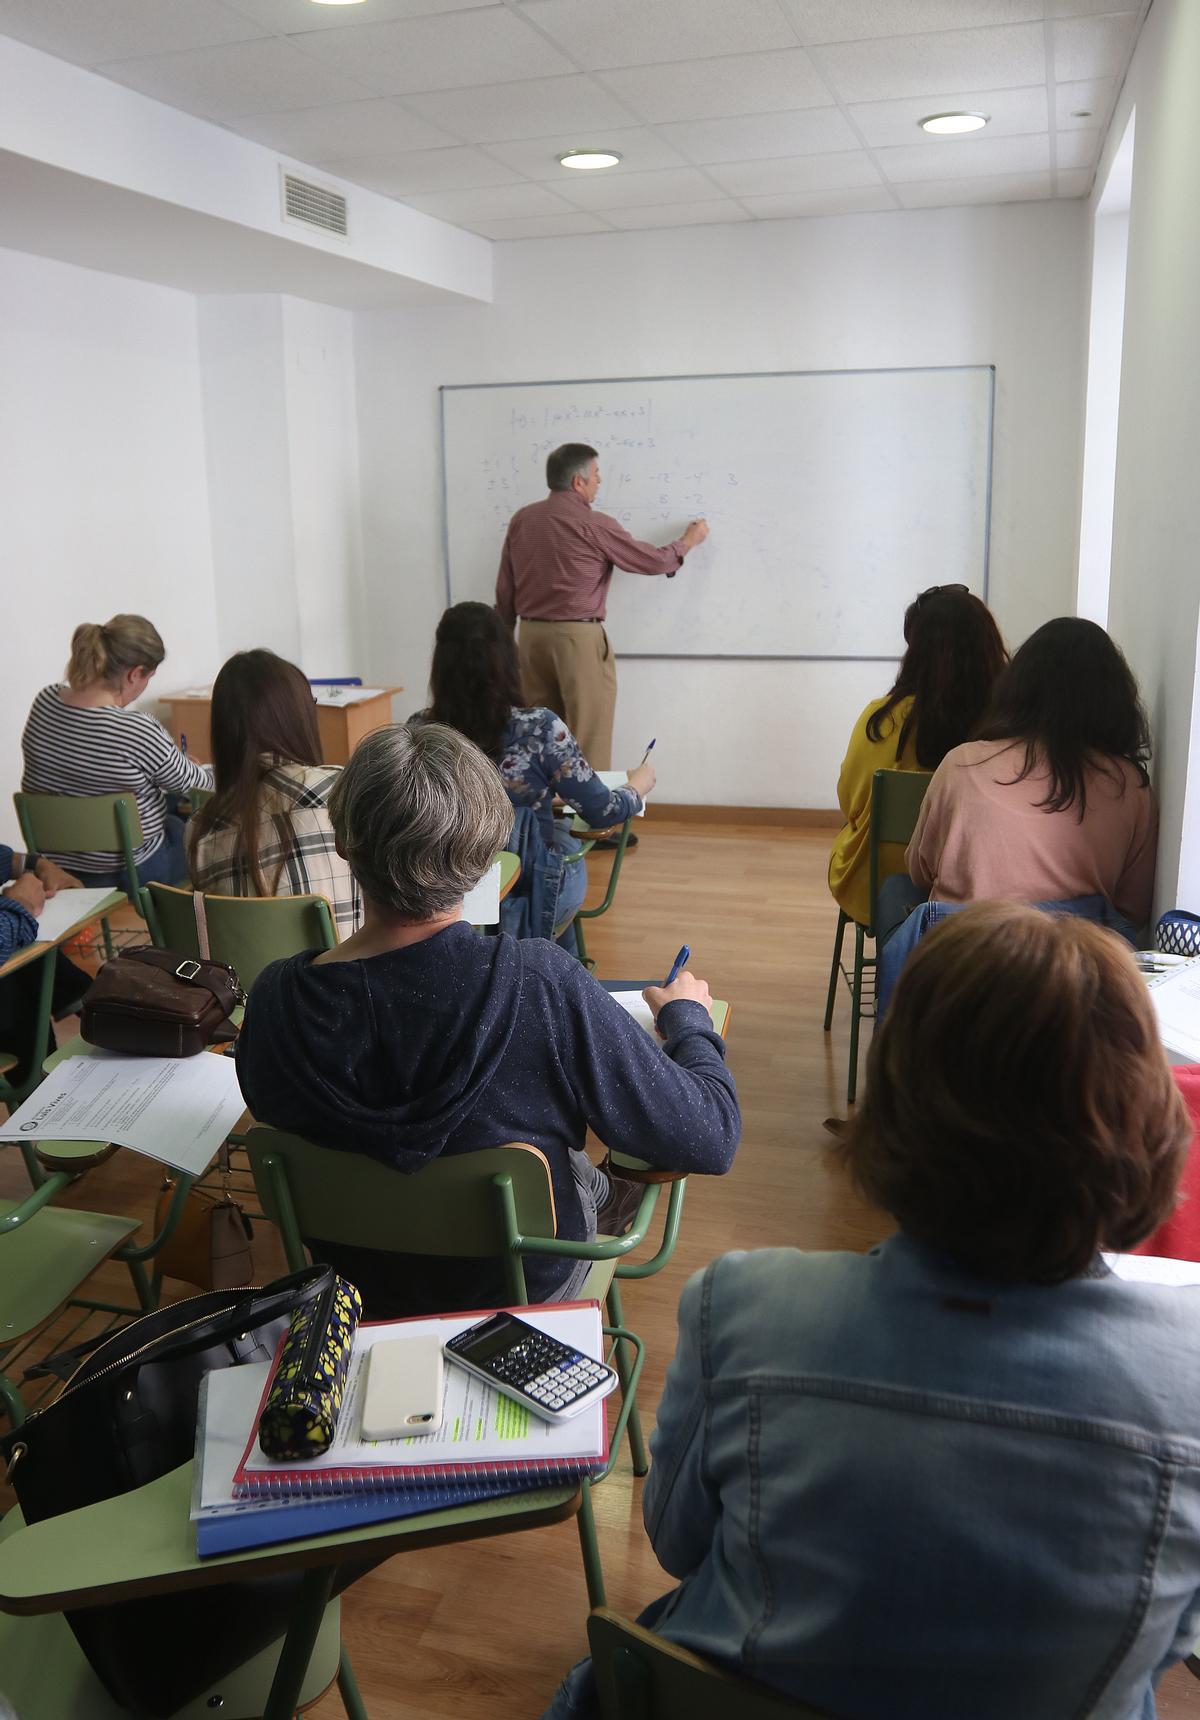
(42, 946)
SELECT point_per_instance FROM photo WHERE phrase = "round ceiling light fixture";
(588, 160)
(953, 124)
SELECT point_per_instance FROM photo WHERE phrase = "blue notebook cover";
(257, 1525)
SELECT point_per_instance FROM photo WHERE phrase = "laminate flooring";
(485, 1630)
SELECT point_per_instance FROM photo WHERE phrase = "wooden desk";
(341, 726)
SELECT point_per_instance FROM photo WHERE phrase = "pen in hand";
(678, 965)
(649, 749)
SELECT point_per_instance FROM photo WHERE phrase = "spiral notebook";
(483, 1435)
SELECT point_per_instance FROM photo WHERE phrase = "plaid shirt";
(296, 853)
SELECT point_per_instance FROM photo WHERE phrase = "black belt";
(565, 620)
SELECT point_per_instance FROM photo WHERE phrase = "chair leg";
(855, 1013)
(352, 1701)
(106, 934)
(624, 1360)
(592, 1570)
(581, 945)
(298, 1644)
(10, 1397)
(839, 939)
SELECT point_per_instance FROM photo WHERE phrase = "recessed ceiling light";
(337, 2)
(1081, 113)
(588, 160)
(951, 124)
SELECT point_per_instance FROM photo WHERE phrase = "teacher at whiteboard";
(557, 561)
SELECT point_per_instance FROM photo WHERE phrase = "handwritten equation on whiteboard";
(643, 476)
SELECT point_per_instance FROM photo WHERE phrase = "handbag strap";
(201, 913)
(168, 962)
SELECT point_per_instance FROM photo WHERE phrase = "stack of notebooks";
(487, 1445)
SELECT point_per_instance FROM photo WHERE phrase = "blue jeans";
(571, 895)
(167, 864)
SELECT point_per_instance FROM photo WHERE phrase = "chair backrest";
(455, 1206)
(896, 797)
(248, 932)
(80, 824)
(642, 1676)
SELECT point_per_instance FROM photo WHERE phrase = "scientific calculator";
(548, 1377)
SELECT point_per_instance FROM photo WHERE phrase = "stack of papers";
(332, 697)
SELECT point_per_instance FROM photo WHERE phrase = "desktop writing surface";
(833, 497)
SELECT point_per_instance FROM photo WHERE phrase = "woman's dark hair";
(1070, 696)
(1019, 1112)
(476, 676)
(954, 654)
(262, 712)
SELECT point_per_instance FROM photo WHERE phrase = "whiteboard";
(833, 497)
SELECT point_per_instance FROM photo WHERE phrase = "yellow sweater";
(849, 863)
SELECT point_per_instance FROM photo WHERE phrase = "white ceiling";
(722, 110)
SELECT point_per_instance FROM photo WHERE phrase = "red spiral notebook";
(484, 1434)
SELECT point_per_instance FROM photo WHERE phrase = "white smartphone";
(404, 1388)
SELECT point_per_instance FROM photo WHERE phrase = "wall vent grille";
(314, 205)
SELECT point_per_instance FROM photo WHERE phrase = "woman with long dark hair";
(266, 831)
(953, 654)
(475, 687)
(1051, 801)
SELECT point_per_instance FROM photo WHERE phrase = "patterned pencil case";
(1178, 933)
(300, 1416)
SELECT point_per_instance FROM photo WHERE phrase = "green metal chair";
(896, 797)
(81, 824)
(247, 932)
(579, 828)
(494, 1204)
(642, 1676)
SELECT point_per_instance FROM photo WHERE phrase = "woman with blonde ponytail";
(82, 739)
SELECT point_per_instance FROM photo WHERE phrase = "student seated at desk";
(475, 682)
(418, 1036)
(1051, 803)
(25, 882)
(80, 739)
(959, 1475)
(953, 654)
(266, 830)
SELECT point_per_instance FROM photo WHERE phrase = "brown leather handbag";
(211, 1243)
(155, 1003)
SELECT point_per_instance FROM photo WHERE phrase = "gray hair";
(419, 813)
(573, 459)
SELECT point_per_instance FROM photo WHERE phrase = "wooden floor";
(483, 1631)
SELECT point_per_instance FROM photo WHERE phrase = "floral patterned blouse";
(542, 759)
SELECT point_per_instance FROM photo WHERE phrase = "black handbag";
(126, 1416)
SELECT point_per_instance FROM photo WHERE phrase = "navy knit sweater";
(464, 1042)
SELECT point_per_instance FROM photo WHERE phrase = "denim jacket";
(900, 1492)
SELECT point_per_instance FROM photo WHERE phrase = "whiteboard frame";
(446, 388)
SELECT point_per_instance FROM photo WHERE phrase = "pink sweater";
(981, 835)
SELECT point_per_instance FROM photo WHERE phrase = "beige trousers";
(568, 666)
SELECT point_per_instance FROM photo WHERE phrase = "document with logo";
(174, 1109)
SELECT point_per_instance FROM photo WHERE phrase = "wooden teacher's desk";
(344, 716)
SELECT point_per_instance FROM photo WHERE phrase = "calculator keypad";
(550, 1373)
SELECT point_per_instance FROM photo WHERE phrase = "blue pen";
(678, 965)
(649, 750)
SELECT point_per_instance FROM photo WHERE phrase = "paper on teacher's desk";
(174, 1109)
(62, 911)
(619, 779)
(481, 906)
(332, 697)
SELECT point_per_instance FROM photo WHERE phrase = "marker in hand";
(678, 965)
(649, 749)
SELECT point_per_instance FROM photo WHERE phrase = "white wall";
(103, 489)
(1003, 285)
(1155, 590)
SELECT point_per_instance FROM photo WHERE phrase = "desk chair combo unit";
(579, 828)
(896, 797)
(642, 1676)
(71, 824)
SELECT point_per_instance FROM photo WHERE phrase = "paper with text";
(1176, 1000)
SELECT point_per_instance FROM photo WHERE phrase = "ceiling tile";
(632, 190)
(533, 107)
(640, 152)
(1077, 183)
(757, 137)
(87, 31)
(1093, 47)
(1011, 114)
(799, 173)
(540, 226)
(964, 158)
(1092, 98)
(491, 204)
(717, 213)
(998, 188)
(637, 33)
(861, 20)
(447, 52)
(331, 134)
(983, 59)
(455, 169)
(294, 17)
(1077, 149)
(712, 89)
(246, 78)
(850, 200)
